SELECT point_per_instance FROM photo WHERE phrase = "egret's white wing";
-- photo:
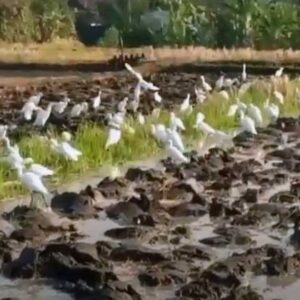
(33, 182)
(40, 170)
(133, 72)
(176, 154)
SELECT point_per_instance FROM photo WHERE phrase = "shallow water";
(29, 289)
(272, 288)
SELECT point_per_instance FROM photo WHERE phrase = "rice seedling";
(138, 144)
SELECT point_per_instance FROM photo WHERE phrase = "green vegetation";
(35, 20)
(262, 24)
(91, 138)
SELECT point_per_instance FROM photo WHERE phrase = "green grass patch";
(91, 138)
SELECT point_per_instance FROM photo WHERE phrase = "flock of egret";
(31, 174)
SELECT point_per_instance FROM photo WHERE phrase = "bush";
(35, 20)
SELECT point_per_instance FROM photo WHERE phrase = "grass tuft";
(91, 138)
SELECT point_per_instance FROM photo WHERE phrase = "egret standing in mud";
(61, 106)
(34, 184)
(219, 83)
(96, 101)
(244, 73)
(43, 115)
(36, 99)
(246, 123)
(78, 109)
(279, 72)
(28, 109)
(175, 154)
(157, 97)
(207, 88)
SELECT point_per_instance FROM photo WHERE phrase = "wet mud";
(223, 226)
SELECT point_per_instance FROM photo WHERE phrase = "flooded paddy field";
(223, 225)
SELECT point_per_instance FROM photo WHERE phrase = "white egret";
(143, 83)
(176, 139)
(65, 149)
(116, 120)
(3, 131)
(185, 105)
(207, 129)
(141, 118)
(33, 183)
(122, 105)
(36, 98)
(255, 113)
(279, 72)
(37, 169)
(244, 73)
(159, 132)
(207, 88)
(14, 150)
(175, 154)
(157, 97)
(43, 115)
(96, 101)
(134, 105)
(219, 83)
(78, 109)
(60, 106)
(175, 122)
(200, 95)
(246, 123)
(114, 136)
(228, 83)
(279, 97)
(224, 94)
(28, 109)
(237, 107)
(272, 110)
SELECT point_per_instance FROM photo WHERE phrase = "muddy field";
(82, 88)
(223, 226)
